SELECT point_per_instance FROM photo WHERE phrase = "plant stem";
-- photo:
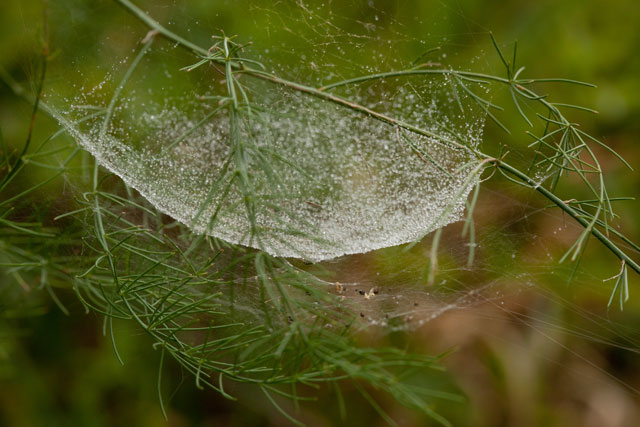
(322, 94)
(566, 207)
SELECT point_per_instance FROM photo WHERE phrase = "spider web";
(325, 181)
(351, 185)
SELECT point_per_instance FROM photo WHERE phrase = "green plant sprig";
(177, 299)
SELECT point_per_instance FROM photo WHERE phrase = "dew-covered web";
(324, 180)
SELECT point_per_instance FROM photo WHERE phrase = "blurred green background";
(552, 355)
